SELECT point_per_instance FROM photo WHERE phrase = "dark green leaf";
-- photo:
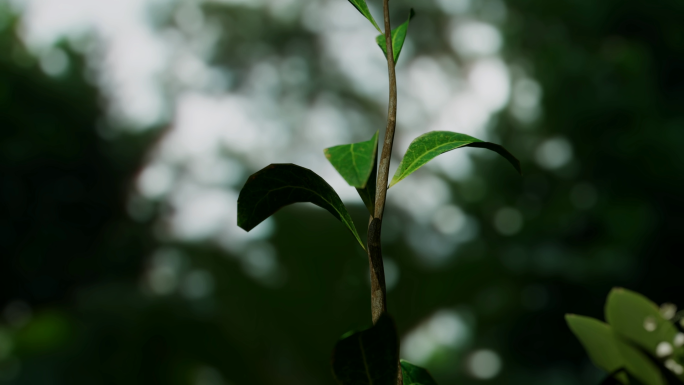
(368, 357)
(357, 163)
(415, 375)
(279, 185)
(427, 146)
(398, 38)
(610, 353)
(362, 7)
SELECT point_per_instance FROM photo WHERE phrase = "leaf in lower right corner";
(598, 340)
(610, 353)
(637, 319)
(368, 357)
(415, 375)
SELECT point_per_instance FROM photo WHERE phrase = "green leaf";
(354, 161)
(367, 193)
(637, 319)
(368, 357)
(598, 340)
(362, 7)
(279, 185)
(427, 146)
(398, 38)
(638, 364)
(415, 375)
(357, 163)
(610, 353)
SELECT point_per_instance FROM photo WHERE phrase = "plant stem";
(378, 290)
(377, 271)
(383, 169)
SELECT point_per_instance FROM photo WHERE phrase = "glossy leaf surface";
(368, 357)
(354, 161)
(279, 185)
(362, 7)
(415, 375)
(427, 146)
(398, 38)
(357, 163)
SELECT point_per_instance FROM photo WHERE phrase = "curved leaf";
(599, 342)
(357, 163)
(427, 146)
(639, 365)
(415, 375)
(610, 353)
(362, 7)
(368, 357)
(279, 185)
(638, 319)
(398, 38)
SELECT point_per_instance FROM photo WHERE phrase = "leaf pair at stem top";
(398, 34)
(279, 185)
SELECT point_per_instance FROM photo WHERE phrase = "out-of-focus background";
(128, 127)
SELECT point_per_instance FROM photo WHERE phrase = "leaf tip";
(241, 224)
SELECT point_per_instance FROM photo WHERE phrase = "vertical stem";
(377, 272)
(383, 169)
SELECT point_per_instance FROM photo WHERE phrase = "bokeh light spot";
(444, 329)
(449, 220)
(54, 62)
(554, 153)
(484, 364)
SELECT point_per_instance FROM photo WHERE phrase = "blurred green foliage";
(612, 74)
(637, 339)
